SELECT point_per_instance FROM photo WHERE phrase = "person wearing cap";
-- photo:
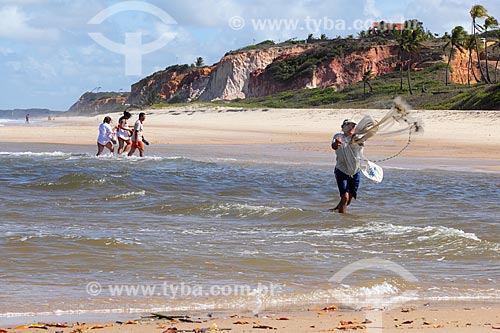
(347, 168)
(137, 137)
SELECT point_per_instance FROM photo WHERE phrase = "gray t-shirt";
(348, 155)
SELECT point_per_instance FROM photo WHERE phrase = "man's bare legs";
(345, 201)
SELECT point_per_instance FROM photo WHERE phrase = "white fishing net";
(400, 119)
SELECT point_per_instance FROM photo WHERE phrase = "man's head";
(348, 127)
(348, 122)
(142, 116)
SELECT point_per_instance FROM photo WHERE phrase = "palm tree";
(496, 46)
(490, 22)
(470, 45)
(367, 76)
(200, 62)
(478, 11)
(456, 40)
(411, 42)
(401, 61)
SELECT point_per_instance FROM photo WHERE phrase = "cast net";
(399, 120)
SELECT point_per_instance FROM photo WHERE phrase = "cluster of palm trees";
(476, 12)
(460, 40)
(411, 40)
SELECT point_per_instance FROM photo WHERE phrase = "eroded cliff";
(102, 102)
(232, 75)
(257, 72)
(175, 83)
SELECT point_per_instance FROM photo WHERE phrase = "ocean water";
(11, 122)
(192, 228)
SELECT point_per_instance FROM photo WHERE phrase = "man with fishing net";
(349, 148)
(347, 169)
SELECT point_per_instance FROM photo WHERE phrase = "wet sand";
(420, 318)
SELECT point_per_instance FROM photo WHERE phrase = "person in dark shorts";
(347, 169)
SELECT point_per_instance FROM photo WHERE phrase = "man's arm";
(336, 142)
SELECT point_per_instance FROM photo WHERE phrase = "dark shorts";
(347, 183)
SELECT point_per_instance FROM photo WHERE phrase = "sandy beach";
(457, 320)
(468, 139)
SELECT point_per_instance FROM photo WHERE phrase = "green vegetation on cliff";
(430, 92)
(304, 64)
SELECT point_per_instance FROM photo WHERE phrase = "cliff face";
(342, 72)
(247, 73)
(180, 82)
(231, 77)
(338, 72)
(102, 102)
(459, 73)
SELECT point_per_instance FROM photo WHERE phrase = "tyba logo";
(133, 49)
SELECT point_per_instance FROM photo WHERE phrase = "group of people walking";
(129, 139)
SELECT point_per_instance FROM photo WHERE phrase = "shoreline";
(308, 153)
(458, 135)
(452, 317)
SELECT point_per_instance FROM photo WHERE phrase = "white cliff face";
(230, 79)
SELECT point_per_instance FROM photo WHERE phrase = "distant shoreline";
(468, 136)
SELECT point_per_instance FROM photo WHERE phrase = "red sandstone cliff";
(338, 72)
(245, 73)
(184, 83)
(102, 102)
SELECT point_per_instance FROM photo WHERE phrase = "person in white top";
(138, 139)
(106, 136)
(124, 132)
(347, 169)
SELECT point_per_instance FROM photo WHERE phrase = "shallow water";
(197, 223)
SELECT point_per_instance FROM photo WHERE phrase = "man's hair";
(142, 114)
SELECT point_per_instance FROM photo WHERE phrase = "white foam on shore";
(29, 153)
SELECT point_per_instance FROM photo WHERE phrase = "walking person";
(137, 137)
(106, 136)
(123, 133)
(347, 168)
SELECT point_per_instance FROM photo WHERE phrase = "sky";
(53, 51)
